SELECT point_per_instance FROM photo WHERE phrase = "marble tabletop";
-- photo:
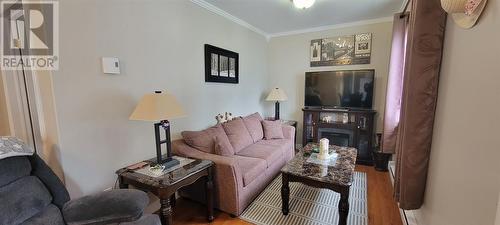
(341, 173)
(171, 176)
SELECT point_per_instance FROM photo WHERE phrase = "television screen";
(344, 89)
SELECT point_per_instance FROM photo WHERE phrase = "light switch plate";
(110, 65)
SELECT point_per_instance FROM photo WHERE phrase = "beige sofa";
(241, 176)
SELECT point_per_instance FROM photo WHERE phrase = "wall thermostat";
(110, 65)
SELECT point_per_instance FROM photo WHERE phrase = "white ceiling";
(275, 17)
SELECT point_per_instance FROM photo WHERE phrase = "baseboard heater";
(407, 216)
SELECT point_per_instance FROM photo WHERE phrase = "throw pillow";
(272, 129)
(204, 140)
(254, 126)
(223, 147)
(221, 141)
(238, 135)
(12, 146)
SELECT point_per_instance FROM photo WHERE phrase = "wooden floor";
(382, 210)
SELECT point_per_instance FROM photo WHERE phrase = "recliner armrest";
(113, 206)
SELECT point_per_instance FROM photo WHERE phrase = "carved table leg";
(173, 200)
(344, 207)
(210, 195)
(285, 194)
(166, 211)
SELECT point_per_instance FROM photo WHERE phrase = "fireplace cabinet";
(343, 127)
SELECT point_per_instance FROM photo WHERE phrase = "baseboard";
(407, 216)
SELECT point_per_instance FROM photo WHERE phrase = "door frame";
(20, 88)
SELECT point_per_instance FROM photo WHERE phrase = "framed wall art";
(343, 50)
(221, 65)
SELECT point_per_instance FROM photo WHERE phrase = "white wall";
(161, 46)
(463, 181)
(289, 60)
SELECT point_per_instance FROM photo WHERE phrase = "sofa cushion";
(254, 126)
(276, 142)
(250, 168)
(238, 135)
(223, 147)
(23, 199)
(269, 153)
(204, 140)
(50, 215)
(14, 168)
(272, 129)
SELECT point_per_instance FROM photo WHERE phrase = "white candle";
(323, 148)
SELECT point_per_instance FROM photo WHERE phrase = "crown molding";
(268, 36)
(228, 16)
(331, 27)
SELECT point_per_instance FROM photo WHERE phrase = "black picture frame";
(226, 65)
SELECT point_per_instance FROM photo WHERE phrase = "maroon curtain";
(418, 102)
(395, 83)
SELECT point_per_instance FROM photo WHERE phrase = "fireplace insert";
(336, 136)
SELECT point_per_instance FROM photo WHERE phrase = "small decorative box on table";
(165, 184)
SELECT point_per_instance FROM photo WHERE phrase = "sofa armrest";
(228, 179)
(180, 147)
(288, 132)
(107, 207)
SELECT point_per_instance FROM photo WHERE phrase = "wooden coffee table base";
(342, 190)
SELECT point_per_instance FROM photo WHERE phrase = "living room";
(85, 119)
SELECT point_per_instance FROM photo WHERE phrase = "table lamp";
(159, 107)
(277, 95)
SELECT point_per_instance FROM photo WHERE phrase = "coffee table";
(338, 177)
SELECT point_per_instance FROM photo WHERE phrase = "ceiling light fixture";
(303, 4)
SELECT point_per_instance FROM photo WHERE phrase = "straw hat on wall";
(465, 13)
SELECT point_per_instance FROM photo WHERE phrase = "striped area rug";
(308, 205)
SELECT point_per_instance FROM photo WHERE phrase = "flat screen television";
(339, 89)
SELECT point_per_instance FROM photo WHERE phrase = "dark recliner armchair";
(30, 193)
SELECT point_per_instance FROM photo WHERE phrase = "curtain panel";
(418, 103)
(395, 83)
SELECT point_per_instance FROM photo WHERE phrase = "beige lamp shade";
(156, 107)
(277, 94)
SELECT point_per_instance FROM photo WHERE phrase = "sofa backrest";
(27, 190)
(238, 135)
(239, 132)
(253, 124)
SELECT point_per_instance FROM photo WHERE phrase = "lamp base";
(277, 110)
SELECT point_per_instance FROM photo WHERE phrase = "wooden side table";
(165, 186)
